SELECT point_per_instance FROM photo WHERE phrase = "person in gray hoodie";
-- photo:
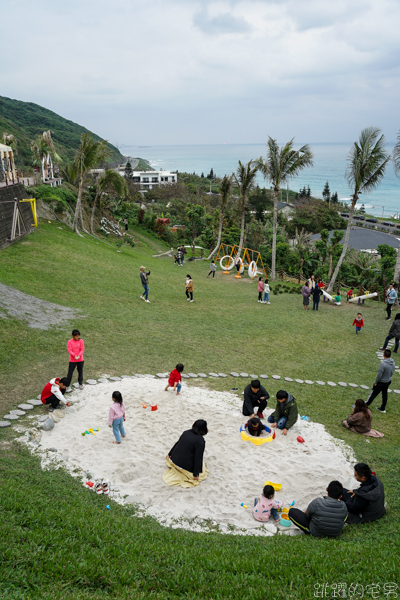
(367, 503)
(394, 332)
(323, 517)
(383, 380)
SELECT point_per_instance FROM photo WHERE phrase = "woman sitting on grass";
(360, 420)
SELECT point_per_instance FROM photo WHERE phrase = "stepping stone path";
(213, 375)
(233, 374)
(331, 383)
(309, 381)
(114, 379)
(263, 376)
(193, 375)
(5, 423)
(25, 406)
(151, 376)
(20, 413)
(102, 380)
(276, 377)
(126, 377)
(222, 375)
(253, 376)
(353, 385)
(35, 402)
(185, 376)
(244, 375)
(39, 397)
(299, 381)
(364, 387)
(396, 391)
(76, 385)
(320, 382)
(91, 381)
(342, 383)
(43, 418)
(11, 417)
(203, 375)
(288, 379)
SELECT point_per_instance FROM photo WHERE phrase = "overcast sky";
(199, 72)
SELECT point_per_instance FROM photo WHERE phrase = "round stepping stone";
(396, 391)
(263, 376)
(25, 406)
(114, 379)
(185, 376)
(48, 424)
(364, 387)
(102, 380)
(389, 390)
(276, 377)
(5, 423)
(309, 381)
(91, 381)
(320, 382)
(11, 417)
(342, 384)
(203, 375)
(253, 376)
(353, 385)
(43, 418)
(126, 377)
(331, 383)
(222, 375)
(151, 376)
(288, 379)
(35, 402)
(244, 375)
(20, 413)
(39, 397)
(299, 381)
(213, 375)
(54, 416)
(233, 374)
(193, 375)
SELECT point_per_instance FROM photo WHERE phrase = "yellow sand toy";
(276, 486)
(257, 441)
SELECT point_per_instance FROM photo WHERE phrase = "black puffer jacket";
(369, 502)
(327, 517)
(395, 328)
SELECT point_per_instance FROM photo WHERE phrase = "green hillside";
(26, 120)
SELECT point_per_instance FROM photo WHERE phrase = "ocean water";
(329, 165)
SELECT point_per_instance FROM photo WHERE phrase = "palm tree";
(10, 140)
(245, 180)
(281, 165)
(109, 179)
(396, 165)
(44, 153)
(366, 164)
(89, 154)
(225, 192)
(69, 173)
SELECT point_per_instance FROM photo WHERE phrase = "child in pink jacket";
(116, 417)
(265, 505)
(260, 289)
(76, 348)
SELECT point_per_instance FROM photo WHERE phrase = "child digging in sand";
(175, 379)
(265, 505)
(116, 417)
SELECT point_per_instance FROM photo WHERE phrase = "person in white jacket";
(53, 392)
(266, 292)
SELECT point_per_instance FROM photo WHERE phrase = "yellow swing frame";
(234, 252)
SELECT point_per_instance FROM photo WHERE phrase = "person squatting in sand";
(53, 393)
(265, 506)
(175, 379)
(186, 467)
(116, 417)
(286, 412)
(254, 427)
(255, 396)
(76, 348)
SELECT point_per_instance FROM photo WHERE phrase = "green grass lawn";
(59, 541)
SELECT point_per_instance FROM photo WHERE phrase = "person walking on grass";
(76, 348)
(189, 288)
(175, 379)
(266, 292)
(213, 268)
(316, 294)
(145, 283)
(179, 257)
(383, 380)
(359, 322)
(53, 393)
(306, 292)
(391, 297)
(394, 332)
(260, 289)
(126, 223)
(116, 417)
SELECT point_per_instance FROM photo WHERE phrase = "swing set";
(236, 256)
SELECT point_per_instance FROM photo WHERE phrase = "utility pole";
(287, 194)
(329, 200)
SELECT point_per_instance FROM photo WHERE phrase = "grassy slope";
(70, 547)
(27, 120)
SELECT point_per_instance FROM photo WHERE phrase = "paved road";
(367, 239)
(395, 228)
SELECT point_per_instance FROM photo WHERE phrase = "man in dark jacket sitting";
(255, 396)
(286, 412)
(367, 503)
(323, 517)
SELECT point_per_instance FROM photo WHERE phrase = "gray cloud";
(224, 23)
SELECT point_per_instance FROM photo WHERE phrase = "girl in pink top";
(260, 289)
(116, 417)
(265, 505)
(76, 348)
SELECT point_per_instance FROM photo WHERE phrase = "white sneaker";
(141, 297)
(188, 299)
(147, 301)
(191, 301)
(81, 387)
(268, 302)
(104, 485)
(98, 488)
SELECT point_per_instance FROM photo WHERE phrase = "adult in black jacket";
(367, 503)
(255, 396)
(394, 332)
(316, 294)
(323, 517)
(185, 459)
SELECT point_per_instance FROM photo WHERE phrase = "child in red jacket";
(358, 322)
(175, 379)
(76, 348)
(53, 393)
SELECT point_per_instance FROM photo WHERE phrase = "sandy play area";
(238, 469)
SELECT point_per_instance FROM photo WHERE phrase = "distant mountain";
(26, 120)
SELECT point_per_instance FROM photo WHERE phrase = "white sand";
(238, 469)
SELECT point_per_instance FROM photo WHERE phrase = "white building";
(148, 179)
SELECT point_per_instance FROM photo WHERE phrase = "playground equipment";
(230, 256)
(276, 486)
(364, 297)
(257, 441)
(285, 521)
